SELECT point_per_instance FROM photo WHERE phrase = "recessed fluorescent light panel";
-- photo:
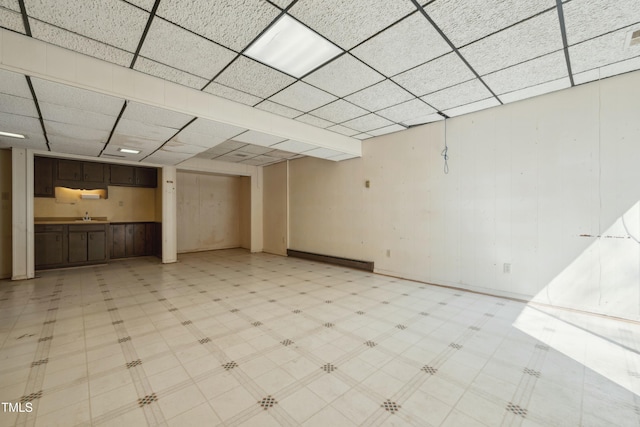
(128, 151)
(291, 47)
(12, 135)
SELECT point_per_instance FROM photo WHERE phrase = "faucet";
(86, 217)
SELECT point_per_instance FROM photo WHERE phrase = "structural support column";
(23, 263)
(256, 211)
(169, 223)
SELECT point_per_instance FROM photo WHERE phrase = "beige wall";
(531, 184)
(275, 209)
(208, 211)
(5, 213)
(122, 204)
(245, 212)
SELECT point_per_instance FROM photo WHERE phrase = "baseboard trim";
(345, 262)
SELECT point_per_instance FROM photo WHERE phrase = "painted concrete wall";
(208, 212)
(531, 184)
(245, 212)
(5, 214)
(275, 209)
(122, 204)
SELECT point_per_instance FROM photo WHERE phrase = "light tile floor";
(239, 339)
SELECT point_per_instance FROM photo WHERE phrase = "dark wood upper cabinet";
(69, 170)
(43, 177)
(146, 177)
(93, 172)
(78, 174)
(133, 176)
(122, 175)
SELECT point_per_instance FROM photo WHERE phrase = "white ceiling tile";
(72, 41)
(155, 116)
(232, 94)
(323, 153)
(84, 148)
(167, 158)
(109, 21)
(229, 146)
(409, 43)
(10, 4)
(469, 20)
(33, 143)
(76, 132)
(602, 51)
(303, 97)
(362, 136)
(177, 147)
(387, 129)
(314, 121)
(199, 139)
(233, 158)
(281, 154)
(608, 70)
(343, 76)
(14, 84)
(181, 49)
(470, 108)
(590, 18)
(232, 23)
(252, 77)
(20, 124)
(11, 20)
(435, 75)
(339, 111)
(535, 37)
(540, 89)
(343, 157)
(209, 127)
(343, 130)
(67, 96)
(530, 73)
(144, 4)
(17, 105)
(293, 146)
(380, 95)
(461, 94)
(261, 160)
(407, 111)
(165, 72)
(258, 138)
(423, 120)
(278, 109)
(282, 3)
(74, 116)
(256, 149)
(347, 23)
(144, 130)
(367, 123)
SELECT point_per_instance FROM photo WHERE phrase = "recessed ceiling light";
(128, 151)
(12, 135)
(291, 47)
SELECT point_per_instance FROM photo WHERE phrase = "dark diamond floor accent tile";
(401, 327)
(108, 299)
(256, 324)
(390, 406)
(405, 295)
(286, 342)
(125, 339)
(542, 347)
(216, 299)
(31, 397)
(424, 313)
(147, 400)
(385, 302)
(39, 362)
(500, 303)
(252, 292)
(532, 372)
(48, 322)
(429, 369)
(173, 309)
(53, 309)
(328, 368)
(204, 340)
(517, 410)
(272, 300)
(154, 291)
(488, 315)
(267, 402)
(456, 346)
(297, 311)
(45, 339)
(328, 325)
(328, 302)
(442, 303)
(134, 363)
(162, 299)
(360, 312)
(230, 365)
(474, 328)
(370, 343)
(235, 310)
(186, 322)
(117, 322)
(113, 309)
(457, 295)
(203, 292)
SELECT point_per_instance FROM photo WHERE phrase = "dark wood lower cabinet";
(49, 246)
(134, 239)
(118, 240)
(70, 245)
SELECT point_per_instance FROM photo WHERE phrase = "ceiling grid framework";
(402, 63)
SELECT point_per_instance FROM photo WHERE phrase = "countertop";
(67, 221)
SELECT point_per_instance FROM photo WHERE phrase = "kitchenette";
(90, 213)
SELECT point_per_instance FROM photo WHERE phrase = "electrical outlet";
(120, 203)
(506, 267)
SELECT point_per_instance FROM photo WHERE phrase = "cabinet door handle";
(57, 238)
(90, 236)
(82, 237)
(86, 176)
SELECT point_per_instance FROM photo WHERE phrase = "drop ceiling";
(402, 63)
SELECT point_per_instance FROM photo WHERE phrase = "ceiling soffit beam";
(454, 48)
(565, 43)
(36, 58)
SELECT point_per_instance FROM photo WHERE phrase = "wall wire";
(445, 151)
